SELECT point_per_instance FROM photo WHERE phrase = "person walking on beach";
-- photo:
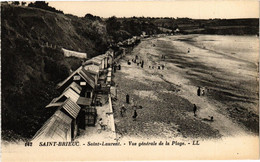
(127, 98)
(102, 126)
(135, 115)
(202, 92)
(115, 66)
(198, 91)
(132, 102)
(194, 109)
(122, 110)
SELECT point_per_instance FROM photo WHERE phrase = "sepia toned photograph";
(129, 80)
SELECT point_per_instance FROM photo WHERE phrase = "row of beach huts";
(75, 108)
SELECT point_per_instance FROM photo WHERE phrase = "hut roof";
(83, 73)
(109, 53)
(87, 77)
(75, 87)
(108, 79)
(92, 61)
(71, 75)
(56, 104)
(101, 56)
(84, 101)
(71, 107)
(109, 74)
(92, 68)
(56, 128)
(69, 93)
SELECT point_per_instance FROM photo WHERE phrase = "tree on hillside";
(113, 24)
(44, 5)
(16, 3)
(92, 17)
(23, 3)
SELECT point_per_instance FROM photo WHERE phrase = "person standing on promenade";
(198, 91)
(194, 109)
(135, 115)
(142, 63)
(127, 98)
(122, 110)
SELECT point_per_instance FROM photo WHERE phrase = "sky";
(198, 9)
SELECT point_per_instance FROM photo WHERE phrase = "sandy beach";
(228, 74)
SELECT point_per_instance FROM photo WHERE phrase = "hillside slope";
(32, 62)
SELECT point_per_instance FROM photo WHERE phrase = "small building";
(109, 76)
(75, 87)
(93, 61)
(84, 78)
(110, 57)
(90, 116)
(104, 59)
(93, 71)
(58, 101)
(71, 109)
(69, 53)
(63, 125)
(56, 128)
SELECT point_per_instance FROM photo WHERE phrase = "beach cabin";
(109, 76)
(63, 125)
(68, 93)
(90, 116)
(93, 71)
(72, 110)
(94, 61)
(110, 57)
(84, 78)
(75, 87)
(56, 128)
(103, 59)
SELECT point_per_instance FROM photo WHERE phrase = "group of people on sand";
(158, 66)
(123, 108)
(137, 61)
(116, 66)
(200, 92)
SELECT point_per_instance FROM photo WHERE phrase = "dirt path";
(173, 91)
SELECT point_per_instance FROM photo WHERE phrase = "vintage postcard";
(129, 80)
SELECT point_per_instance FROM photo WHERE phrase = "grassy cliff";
(33, 63)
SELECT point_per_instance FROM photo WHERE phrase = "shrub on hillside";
(44, 5)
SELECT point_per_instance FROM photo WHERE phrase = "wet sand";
(167, 96)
